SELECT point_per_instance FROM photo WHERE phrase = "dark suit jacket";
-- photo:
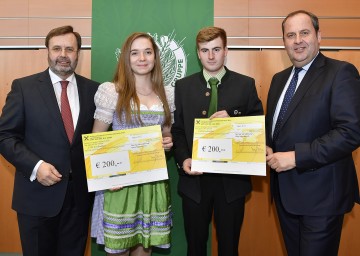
(322, 125)
(31, 129)
(237, 95)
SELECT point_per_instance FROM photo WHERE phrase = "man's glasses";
(68, 50)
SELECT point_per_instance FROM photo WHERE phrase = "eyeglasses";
(68, 50)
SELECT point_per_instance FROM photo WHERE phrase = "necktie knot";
(297, 71)
(213, 81)
(64, 84)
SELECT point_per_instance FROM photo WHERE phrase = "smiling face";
(212, 55)
(301, 41)
(63, 55)
(142, 56)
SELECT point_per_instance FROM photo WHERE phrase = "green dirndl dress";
(138, 214)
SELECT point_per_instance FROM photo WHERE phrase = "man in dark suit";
(313, 177)
(50, 188)
(203, 194)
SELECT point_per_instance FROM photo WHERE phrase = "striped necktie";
(66, 111)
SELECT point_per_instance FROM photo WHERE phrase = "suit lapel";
(47, 93)
(82, 105)
(277, 93)
(314, 71)
(312, 74)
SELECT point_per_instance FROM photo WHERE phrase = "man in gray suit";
(50, 189)
(311, 136)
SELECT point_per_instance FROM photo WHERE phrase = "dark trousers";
(228, 218)
(309, 235)
(62, 235)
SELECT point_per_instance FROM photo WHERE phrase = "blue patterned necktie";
(285, 104)
(214, 96)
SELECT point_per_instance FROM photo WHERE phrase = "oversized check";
(234, 145)
(124, 157)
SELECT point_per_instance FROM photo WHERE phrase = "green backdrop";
(174, 25)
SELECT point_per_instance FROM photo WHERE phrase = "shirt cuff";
(35, 170)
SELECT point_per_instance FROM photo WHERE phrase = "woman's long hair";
(124, 81)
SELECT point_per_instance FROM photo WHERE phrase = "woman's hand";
(167, 143)
(167, 138)
(116, 189)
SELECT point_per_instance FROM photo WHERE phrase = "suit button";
(204, 112)
(235, 112)
(207, 94)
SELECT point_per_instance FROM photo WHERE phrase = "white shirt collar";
(55, 78)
